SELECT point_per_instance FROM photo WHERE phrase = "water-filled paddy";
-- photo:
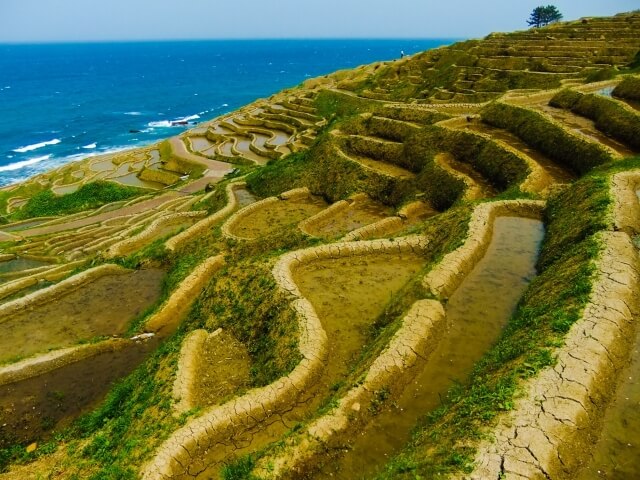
(348, 294)
(362, 212)
(102, 307)
(18, 265)
(276, 216)
(244, 197)
(31, 408)
(476, 314)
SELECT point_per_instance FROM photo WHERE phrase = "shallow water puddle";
(242, 146)
(132, 180)
(200, 144)
(25, 225)
(244, 197)
(18, 265)
(359, 214)
(476, 314)
(587, 128)
(348, 294)
(277, 216)
(31, 408)
(617, 452)
(102, 307)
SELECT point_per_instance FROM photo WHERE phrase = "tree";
(542, 16)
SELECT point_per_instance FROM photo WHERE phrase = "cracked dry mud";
(551, 428)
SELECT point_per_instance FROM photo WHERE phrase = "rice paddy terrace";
(413, 269)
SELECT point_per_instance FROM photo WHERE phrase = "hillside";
(413, 269)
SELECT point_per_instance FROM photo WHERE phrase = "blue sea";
(64, 102)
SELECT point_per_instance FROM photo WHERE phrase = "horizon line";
(238, 39)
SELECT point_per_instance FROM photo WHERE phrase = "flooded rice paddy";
(18, 265)
(31, 409)
(476, 314)
(357, 215)
(102, 307)
(277, 216)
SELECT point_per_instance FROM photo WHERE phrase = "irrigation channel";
(475, 314)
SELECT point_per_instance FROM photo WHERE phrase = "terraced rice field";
(272, 218)
(103, 307)
(381, 273)
(476, 313)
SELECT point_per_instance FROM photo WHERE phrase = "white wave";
(24, 163)
(225, 104)
(135, 114)
(36, 146)
(173, 123)
(163, 123)
(90, 146)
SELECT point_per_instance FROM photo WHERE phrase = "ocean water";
(63, 102)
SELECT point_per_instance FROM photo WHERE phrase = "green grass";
(89, 196)
(538, 131)
(240, 469)
(608, 115)
(629, 87)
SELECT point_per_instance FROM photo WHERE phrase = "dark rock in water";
(134, 131)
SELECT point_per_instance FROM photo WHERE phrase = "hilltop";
(417, 268)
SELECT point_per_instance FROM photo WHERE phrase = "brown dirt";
(222, 370)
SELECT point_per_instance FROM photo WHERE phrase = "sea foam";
(36, 146)
(24, 163)
(172, 123)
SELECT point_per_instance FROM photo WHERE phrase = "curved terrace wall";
(180, 301)
(207, 223)
(390, 371)
(626, 206)
(178, 453)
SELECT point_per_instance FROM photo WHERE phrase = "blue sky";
(104, 20)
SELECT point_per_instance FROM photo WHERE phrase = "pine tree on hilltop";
(542, 16)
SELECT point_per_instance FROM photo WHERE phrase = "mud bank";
(476, 313)
(207, 223)
(178, 457)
